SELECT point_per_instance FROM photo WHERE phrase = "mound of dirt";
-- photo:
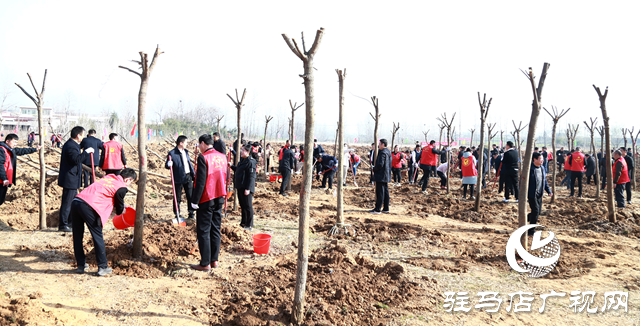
(341, 289)
(24, 311)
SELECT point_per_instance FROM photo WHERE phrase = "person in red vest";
(8, 154)
(396, 165)
(469, 173)
(428, 163)
(567, 170)
(208, 200)
(576, 165)
(112, 159)
(355, 161)
(92, 207)
(620, 177)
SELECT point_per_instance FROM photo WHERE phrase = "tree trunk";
(237, 158)
(291, 134)
(43, 171)
(595, 157)
(484, 111)
(448, 161)
(555, 163)
(142, 166)
(607, 134)
(341, 171)
(526, 161)
(471, 141)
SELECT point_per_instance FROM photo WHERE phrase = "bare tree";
(624, 137)
(340, 227)
(394, 130)
(516, 136)
(442, 127)
(267, 119)
(376, 118)
(449, 125)
(634, 141)
(526, 166)
(142, 129)
(484, 111)
(294, 108)
(297, 313)
(490, 136)
(592, 127)
(426, 135)
(572, 132)
(38, 100)
(335, 144)
(472, 131)
(501, 138)
(238, 102)
(607, 133)
(218, 119)
(555, 117)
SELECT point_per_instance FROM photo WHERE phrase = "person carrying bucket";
(207, 199)
(244, 181)
(93, 207)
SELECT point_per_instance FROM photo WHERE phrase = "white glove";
(89, 150)
(194, 206)
(170, 163)
(448, 149)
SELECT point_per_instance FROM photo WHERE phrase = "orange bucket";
(125, 220)
(261, 243)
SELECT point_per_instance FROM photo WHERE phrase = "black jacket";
(533, 182)
(559, 156)
(495, 162)
(318, 151)
(179, 176)
(245, 176)
(382, 169)
(509, 163)
(629, 161)
(16, 152)
(220, 146)
(97, 147)
(328, 162)
(288, 160)
(591, 166)
(71, 165)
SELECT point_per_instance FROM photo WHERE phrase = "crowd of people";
(206, 184)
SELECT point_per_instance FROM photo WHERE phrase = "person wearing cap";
(92, 207)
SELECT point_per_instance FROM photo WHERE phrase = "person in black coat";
(218, 144)
(537, 185)
(328, 167)
(286, 165)
(509, 171)
(244, 181)
(70, 175)
(382, 176)
(626, 153)
(9, 146)
(318, 151)
(183, 173)
(591, 169)
(96, 144)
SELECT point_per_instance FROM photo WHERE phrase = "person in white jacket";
(345, 163)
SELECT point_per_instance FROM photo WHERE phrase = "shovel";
(93, 169)
(175, 199)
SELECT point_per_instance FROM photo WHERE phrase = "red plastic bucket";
(261, 243)
(125, 220)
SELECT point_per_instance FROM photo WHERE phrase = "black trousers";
(627, 187)
(535, 203)
(286, 175)
(618, 192)
(595, 180)
(246, 208)
(397, 177)
(382, 196)
(3, 194)
(576, 175)
(412, 170)
(208, 223)
(81, 214)
(87, 177)
(328, 176)
(65, 207)
(443, 179)
(188, 190)
(511, 186)
(427, 171)
(471, 192)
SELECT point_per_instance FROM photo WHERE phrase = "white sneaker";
(505, 200)
(425, 192)
(472, 198)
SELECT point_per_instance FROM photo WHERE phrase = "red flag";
(134, 129)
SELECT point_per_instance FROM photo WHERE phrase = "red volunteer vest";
(549, 156)
(100, 195)
(396, 161)
(427, 157)
(8, 167)
(216, 175)
(467, 167)
(624, 177)
(578, 162)
(355, 158)
(566, 164)
(112, 156)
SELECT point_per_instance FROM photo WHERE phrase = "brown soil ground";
(394, 271)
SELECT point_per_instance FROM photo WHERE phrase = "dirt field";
(394, 271)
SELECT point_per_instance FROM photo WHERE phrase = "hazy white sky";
(421, 58)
